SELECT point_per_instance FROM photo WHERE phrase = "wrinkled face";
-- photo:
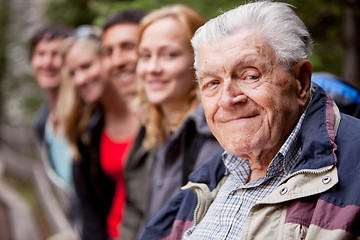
(119, 42)
(46, 63)
(86, 72)
(251, 102)
(165, 63)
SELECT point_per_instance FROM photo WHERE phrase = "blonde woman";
(176, 133)
(100, 129)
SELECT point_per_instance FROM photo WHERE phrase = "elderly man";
(291, 168)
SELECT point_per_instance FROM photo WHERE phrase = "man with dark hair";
(46, 64)
(119, 40)
(120, 36)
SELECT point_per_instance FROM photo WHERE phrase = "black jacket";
(94, 189)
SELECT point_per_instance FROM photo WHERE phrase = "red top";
(113, 155)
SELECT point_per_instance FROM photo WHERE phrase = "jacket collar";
(317, 136)
(211, 172)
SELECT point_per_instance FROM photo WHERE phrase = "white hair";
(275, 22)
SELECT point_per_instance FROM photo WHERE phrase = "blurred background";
(333, 24)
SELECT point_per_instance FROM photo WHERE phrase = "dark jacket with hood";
(94, 189)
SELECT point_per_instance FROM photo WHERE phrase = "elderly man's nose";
(231, 95)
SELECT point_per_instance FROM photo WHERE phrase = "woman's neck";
(174, 114)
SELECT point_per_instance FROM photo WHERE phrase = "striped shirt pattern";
(226, 216)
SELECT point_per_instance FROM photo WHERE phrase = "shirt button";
(284, 191)
(326, 179)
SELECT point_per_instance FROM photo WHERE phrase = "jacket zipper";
(197, 206)
(302, 232)
(317, 171)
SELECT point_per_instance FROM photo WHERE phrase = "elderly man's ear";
(303, 71)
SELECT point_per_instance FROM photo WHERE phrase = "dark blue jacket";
(94, 189)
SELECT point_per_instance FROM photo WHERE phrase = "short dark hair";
(49, 32)
(127, 16)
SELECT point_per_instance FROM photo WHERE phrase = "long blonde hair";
(157, 131)
(71, 111)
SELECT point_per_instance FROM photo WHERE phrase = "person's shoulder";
(349, 128)
(348, 141)
(211, 171)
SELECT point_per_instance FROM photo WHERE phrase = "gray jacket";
(185, 150)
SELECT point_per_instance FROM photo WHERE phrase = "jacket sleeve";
(177, 216)
(93, 222)
(173, 219)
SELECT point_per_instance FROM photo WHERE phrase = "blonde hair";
(157, 130)
(71, 111)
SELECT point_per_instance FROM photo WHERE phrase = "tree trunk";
(351, 61)
(4, 18)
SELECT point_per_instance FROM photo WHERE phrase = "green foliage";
(32, 101)
(4, 20)
(208, 8)
(322, 17)
(70, 12)
(324, 20)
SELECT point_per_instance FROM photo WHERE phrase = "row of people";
(100, 114)
(132, 150)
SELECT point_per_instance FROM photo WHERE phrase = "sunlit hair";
(71, 111)
(157, 130)
(275, 22)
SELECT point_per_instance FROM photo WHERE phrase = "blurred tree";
(333, 24)
(208, 8)
(70, 12)
(4, 20)
(334, 27)
(351, 33)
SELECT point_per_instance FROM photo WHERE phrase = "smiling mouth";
(239, 118)
(156, 84)
(49, 73)
(124, 78)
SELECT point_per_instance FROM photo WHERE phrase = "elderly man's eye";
(251, 77)
(210, 84)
